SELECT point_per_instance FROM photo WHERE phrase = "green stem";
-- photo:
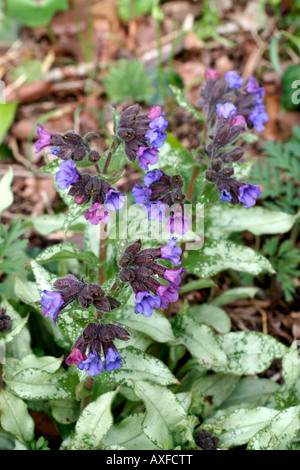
(113, 147)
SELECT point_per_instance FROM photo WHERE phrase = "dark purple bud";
(126, 275)
(5, 322)
(89, 294)
(113, 302)
(232, 155)
(94, 156)
(211, 176)
(216, 165)
(206, 440)
(226, 172)
(147, 256)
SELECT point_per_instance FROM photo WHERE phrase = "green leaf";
(213, 316)
(249, 352)
(119, 88)
(46, 224)
(231, 295)
(7, 196)
(129, 434)
(37, 384)
(250, 392)
(7, 114)
(129, 10)
(223, 220)
(183, 102)
(93, 423)
(34, 13)
(197, 285)
(163, 413)
(238, 427)
(67, 251)
(30, 68)
(137, 365)
(17, 323)
(14, 417)
(157, 326)
(47, 363)
(216, 256)
(199, 340)
(279, 434)
(65, 411)
(215, 389)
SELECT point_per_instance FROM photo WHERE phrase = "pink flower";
(211, 74)
(75, 357)
(154, 112)
(97, 214)
(178, 223)
(238, 120)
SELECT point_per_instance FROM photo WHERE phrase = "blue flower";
(258, 117)
(93, 365)
(225, 196)
(156, 136)
(67, 174)
(248, 194)
(141, 193)
(233, 79)
(226, 110)
(145, 303)
(173, 276)
(171, 252)
(113, 360)
(152, 176)
(253, 87)
(114, 200)
(147, 156)
(52, 303)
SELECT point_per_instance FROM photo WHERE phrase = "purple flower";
(147, 156)
(233, 79)
(75, 357)
(171, 252)
(113, 360)
(152, 176)
(173, 276)
(97, 214)
(93, 365)
(156, 210)
(178, 223)
(145, 303)
(258, 117)
(114, 200)
(225, 196)
(141, 193)
(67, 174)
(44, 138)
(156, 136)
(167, 294)
(226, 110)
(52, 303)
(55, 151)
(248, 193)
(253, 87)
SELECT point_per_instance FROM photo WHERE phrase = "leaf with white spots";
(249, 352)
(216, 256)
(15, 418)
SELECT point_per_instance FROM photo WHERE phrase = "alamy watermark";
(2, 92)
(2, 352)
(296, 95)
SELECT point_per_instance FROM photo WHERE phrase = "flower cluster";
(140, 269)
(236, 105)
(87, 349)
(70, 288)
(142, 135)
(5, 322)
(85, 187)
(69, 145)
(232, 98)
(159, 192)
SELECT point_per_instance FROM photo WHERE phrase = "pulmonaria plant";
(230, 105)
(141, 270)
